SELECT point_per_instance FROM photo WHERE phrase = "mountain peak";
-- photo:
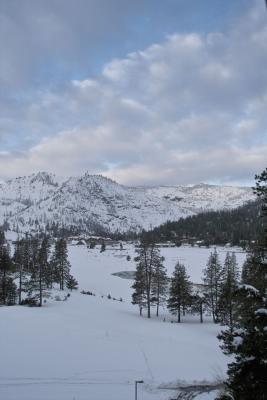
(43, 177)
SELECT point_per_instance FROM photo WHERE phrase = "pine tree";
(7, 286)
(27, 252)
(159, 284)
(35, 287)
(213, 274)
(138, 296)
(31, 253)
(37, 283)
(147, 259)
(2, 239)
(253, 272)
(230, 276)
(72, 283)
(19, 264)
(103, 247)
(43, 261)
(11, 291)
(247, 341)
(180, 291)
(60, 263)
(199, 303)
(92, 244)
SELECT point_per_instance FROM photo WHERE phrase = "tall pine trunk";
(213, 307)
(40, 286)
(201, 312)
(148, 306)
(4, 287)
(148, 285)
(157, 301)
(20, 284)
(179, 313)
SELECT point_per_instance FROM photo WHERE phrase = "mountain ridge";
(92, 202)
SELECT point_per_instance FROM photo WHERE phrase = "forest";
(238, 227)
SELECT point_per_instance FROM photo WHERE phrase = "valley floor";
(94, 348)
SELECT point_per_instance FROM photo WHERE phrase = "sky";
(146, 92)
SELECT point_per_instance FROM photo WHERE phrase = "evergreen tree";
(199, 303)
(72, 283)
(147, 259)
(20, 266)
(37, 282)
(247, 341)
(27, 251)
(92, 244)
(7, 286)
(2, 239)
(43, 261)
(213, 274)
(253, 272)
(60, 263)
(31, 253)
(103, 247)
(159, 284)
(180, 291)
(138, 296)
(228, 288)
(11, 292)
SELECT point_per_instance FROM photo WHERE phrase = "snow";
(90, 347)
(11, 236)
(249, 288)
(203, 196)
(237, 341)
(114, 260)
(195, 259)
(30, 202)
(261, 311)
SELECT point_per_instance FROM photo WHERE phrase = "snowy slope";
(204, 197)
(20, 194)
(90, 347)
(94, 203)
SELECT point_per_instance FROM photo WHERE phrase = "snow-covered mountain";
(93, 202)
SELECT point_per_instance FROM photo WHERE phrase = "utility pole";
(136, 383)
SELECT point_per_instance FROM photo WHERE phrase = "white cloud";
(189, 109)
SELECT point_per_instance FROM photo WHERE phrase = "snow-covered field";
(93, 348)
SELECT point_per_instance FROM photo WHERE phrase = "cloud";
(190, 108)
(37, 36)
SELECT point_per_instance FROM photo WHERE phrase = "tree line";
(239, 227)
(35, 266)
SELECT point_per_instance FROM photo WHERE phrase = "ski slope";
(92, 347)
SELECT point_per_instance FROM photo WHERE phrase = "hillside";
(240, 226)
(93, 203)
